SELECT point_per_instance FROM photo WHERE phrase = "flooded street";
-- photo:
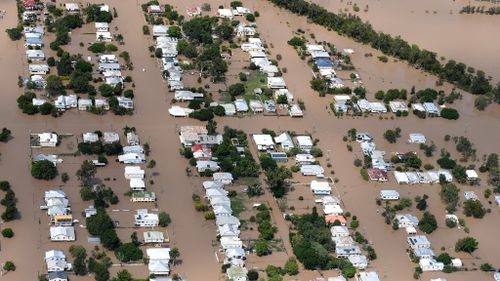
(189, 231)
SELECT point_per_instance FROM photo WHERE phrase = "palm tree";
(174, 254)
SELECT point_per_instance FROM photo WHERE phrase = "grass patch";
(237, 205)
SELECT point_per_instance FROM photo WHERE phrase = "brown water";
(436, 26)
(190, 233)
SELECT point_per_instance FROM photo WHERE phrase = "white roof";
(71, 7)
(229, 108)
(158, 253)
(263, 139)
(137, 183)
(241, 105)
(389, 193)
(67, 231)
(320, 186)
(333, 210)
(471, 174)
(101, 25)
(417, 138)
(315, 169)
(179, 111)
(368, 276)
(225, 13)
(304, 141)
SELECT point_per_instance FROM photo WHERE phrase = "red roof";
(151, 10)
(333, 218)
(376, 174)
(29, 3)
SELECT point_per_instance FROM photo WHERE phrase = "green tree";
(467, 244)
(86, 173)
(261, 248)
(15, 33)
(428, 223)
(444, 258)
(128, 252)
(7, 233)
(9, 266)
(164, 219)
(253, 275)
(43, 170)
(55, 86)
(291, 267)
(174, 255)
(474, 208)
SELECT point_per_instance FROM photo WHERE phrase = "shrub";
(7, 233)
(15, 33)
(467, 244)
(450, 114)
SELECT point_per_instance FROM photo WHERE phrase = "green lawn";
(237, 204)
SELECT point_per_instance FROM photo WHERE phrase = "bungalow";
(137, 184)
(201, 152)
(327, 73)
(230, 242)
(270, 70)
(225, 178)
(153, 237)
(71, 7)
(270, 106)
(102, 26)
(332, 210)
(225, 13)
(344, 241)
(187, 95)
(235, 255)
(222, 210)
(305, 143)
(111, 137)
(418, 241)
(131, 158)
(248, 47)
(312, 170)
(470, 195)
(418, 107)
(471, 175)
(84, 104)
(143, 196)
(40, 69)
(242, 10)
(34, 43)
(90, 137)
(29, 5)
(320, 54)
(398, 106)
(367, 276)
(256, 106)
(304, 159)
(66, 102)
(203, 166)
(57, 276)
(377, 175)
(339, 231)
(320, 188)
(335, 218)
(108, 59)
(406, 220)
(61, 219)
(35, 55)
(310, 48)
(193, 11)
(103, 36)
(285, 92)
(244, 31)
(276, 83)
(62, 233)
(189, 135)
(431, 108)
(34, 29)
(345, 252)
(55, 260)
(221, 200)
(159, 260)
(134, 172)
(430, 264)
(144, 219)
(228, 230)
(47, 139)
(30, 16)
(295, 111)
(108, 66)
(359, 261)
(424, 252)
(50, 157)
(229, 220)
(112, 73)
(125, 102)
(175, 85)
(389, 194)
(401, 178)
(155, 9)
(39, 82)
(89, 212)
(263, 142)
(285, 141)
(323, 63)
(417, 138)
(160, 30)
(132, 138)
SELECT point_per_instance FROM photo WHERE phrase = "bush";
(43, 170)
(15, 33)
(451, 223)
(474, 208)
(250, 17)
(253, 275)
(9, 266)
(428, 223)
(7, 233)
(164, 219)
(291, 267)
(261, 248)
(467, 244)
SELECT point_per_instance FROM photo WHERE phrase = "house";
(304, 159)
(175, 85)
(55, 260)
(333, 210)
(327, 73)
(270, 106)
(276, 83)
(401, 178)
(247, 47)
(471, 175)
(84, 104)
(40, 69)
(418, 241)
(66, 102)
(430, 264)
(367, 276)
(47, 139)
(50, 157)
(225, 178)
(389, 194)
(496, 276)
(111, 137)
(189, 135)
(114, 81)
(242, 10)
(228, 230)
(359, 261)
(339, 231)
(345, 252)
(108, 66)
(159, 259)
(102, 26)
(417, 107)
(364, 137)
(431, 108)
(125, 102)
(285, 141)
(270, 70)
(34, 42)
(143, 196)
(155, 9)
(417, 138)
(222, 210)
(310, 48)
(137, 184)
(225, 13)
(89, 212)
(470, 195)
(108, 59)
(305, 143)
(377, 175)
(237, 273)
(241, 105)
(295, 111)
(256, 106)
(377, 107)
(230, 242)
(90, 137)
(312, 170)
(179, 111)
(101, 103)
(39, 83)
(132, 172)
(337, 278)
(193, 11)
(235, 256)
(328, 200)
(35, 55)
(201, 152)
(320, 187)
(144, 219)
(62, 233)
(132, 138)
(34, 29)
(343, 241)
(57, 276)
(335, 218)
(406, 220)
(132, 158)
(398, 106)
(244, 31)
(183, 95)
(221, 200)
(323, 63)
(423, 252)
(71, 7)
(203, 166)
(160, 30)
(263, 142)
(153, 237)
(61, 219)
(229, 220)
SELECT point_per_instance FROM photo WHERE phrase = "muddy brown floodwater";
(189, 232)
(436, 26)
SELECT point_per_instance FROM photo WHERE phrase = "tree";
(450, 196)
(55, 86)
(291, 267)
(174, 254)
(174, 31)
(164, 219)
(446, 163)
(392, 135)
(79, 264)
(236, 90)
(15, 33)
(250, 17)
(450, 113)
(123, 275)
(9, 266)
(444, 258)
(43, 170)
(5, 135)
(253, 275)
(261, 248)
(428, 223)
(422, 203)
(467, 244)
(128, 252)
(474, 208)
(86, 173)
(7, 233)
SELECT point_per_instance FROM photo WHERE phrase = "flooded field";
(434, 25)
(189, 231)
